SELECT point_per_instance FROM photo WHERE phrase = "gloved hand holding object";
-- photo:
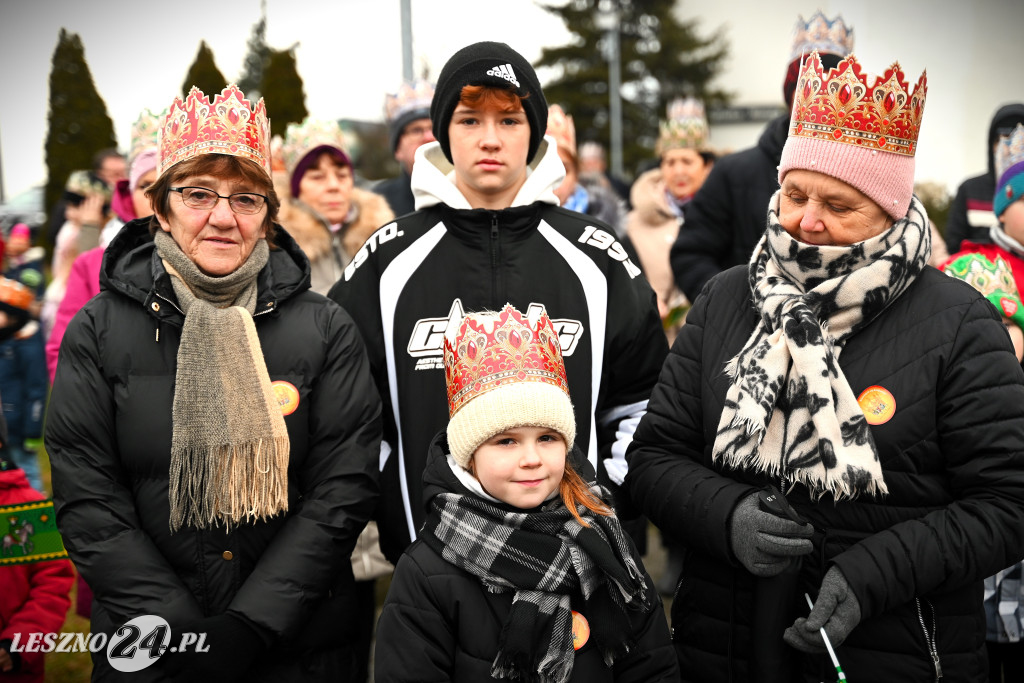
(836, 610)
(765, 543)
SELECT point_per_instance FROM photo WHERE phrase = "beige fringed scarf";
(229, 445)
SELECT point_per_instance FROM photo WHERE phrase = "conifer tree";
(282, 91)
(255, 59)
(204, 74)
(661, 57)
(78, 123)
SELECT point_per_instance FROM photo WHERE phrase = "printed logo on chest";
(427, 339)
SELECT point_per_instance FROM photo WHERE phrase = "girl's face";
(521, 466)
(139, 199)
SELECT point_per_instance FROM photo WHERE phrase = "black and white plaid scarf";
(790, 409)
(544, 557)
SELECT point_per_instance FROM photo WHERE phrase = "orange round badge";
(580, 630)
(287, 396)
(878, 404)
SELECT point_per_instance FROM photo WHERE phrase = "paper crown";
(227, 125)
(512, 349)
(994, 280)
(840, 107)
(411, 97)
(685, 128)
(562, 129)
(144, 133)
(302, 138)
(83, 184)
(821, 34)
(1009, 169)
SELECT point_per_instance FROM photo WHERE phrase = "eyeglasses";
(205, 199)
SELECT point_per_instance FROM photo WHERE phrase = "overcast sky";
(349, 56)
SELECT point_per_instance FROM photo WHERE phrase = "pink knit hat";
(143, 163)
(864, 136)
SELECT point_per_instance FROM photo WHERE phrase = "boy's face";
(1013, 220)
(489, 147)
(521, 466)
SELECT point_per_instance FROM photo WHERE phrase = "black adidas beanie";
(495, 65)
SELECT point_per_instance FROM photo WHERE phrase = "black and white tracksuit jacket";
(415, 278)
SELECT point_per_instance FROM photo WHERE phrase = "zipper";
(160, 296)
(494, 260)
(930, 638)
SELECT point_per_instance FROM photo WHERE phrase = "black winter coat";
(439, 623)
(725, 219)
(952, 456)
(108, 435)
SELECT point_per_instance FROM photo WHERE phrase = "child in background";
(33, 596)
(521, 571)
(1004, 592)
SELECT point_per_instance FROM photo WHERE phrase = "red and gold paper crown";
(228, 125)
(841, 107)
(512, 350)
(562, 129)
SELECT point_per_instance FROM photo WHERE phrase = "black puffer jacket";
(440, 624)
(108, 435)
(726, 218)
(952, 456)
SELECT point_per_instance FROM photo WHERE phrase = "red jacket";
(34, 596)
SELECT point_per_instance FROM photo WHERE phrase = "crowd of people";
(272, 384)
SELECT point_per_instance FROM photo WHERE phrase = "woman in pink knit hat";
(837, 436)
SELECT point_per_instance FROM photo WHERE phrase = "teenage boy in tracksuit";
(488, 231)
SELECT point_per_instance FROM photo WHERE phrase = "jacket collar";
(433, 178)
(132, 268)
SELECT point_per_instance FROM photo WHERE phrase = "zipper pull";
(938, 667)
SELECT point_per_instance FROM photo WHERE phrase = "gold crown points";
(512, 350)
(562, 128)
(145, 132)
(686, 127)
(820, 33)
(227, 125)
(1010, 151)
(302, 138)
(840, 107)
(410, 96)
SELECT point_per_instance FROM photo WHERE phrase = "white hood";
(433, 178)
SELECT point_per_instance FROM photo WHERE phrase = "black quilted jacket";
(108, 435)
(953, 459)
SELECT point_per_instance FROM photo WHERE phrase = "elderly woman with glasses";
(213, 428)
(879, 398)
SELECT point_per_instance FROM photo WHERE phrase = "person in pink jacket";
(84, 280)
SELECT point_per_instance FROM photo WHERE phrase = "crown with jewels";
(144, 133)
(302, 138)
(685, 128)
(227, 125)
(562, 129)
(1009, 169)
(512, 349)
(414, 96)
(840, 107)
(831, 36)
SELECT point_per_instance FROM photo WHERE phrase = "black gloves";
(836, 609)
(766, 545)
(232, 643)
